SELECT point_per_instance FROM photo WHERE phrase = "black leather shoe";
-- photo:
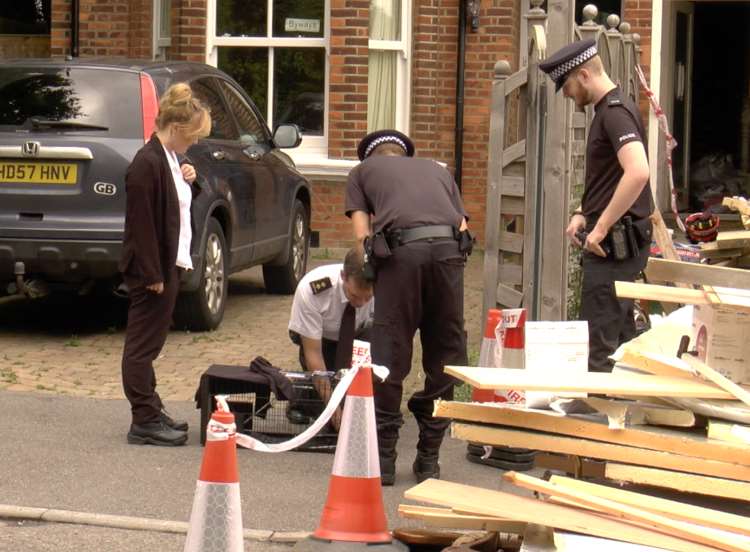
(156, 433)
(179, 425)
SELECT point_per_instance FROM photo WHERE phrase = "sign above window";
(292, 25)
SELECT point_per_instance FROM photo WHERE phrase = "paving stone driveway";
(72, 345)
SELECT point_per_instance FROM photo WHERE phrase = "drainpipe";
(459, 141)
(74, 34)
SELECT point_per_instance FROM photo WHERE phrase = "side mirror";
(287, 135)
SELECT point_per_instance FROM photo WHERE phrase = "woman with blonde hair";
(156, 249)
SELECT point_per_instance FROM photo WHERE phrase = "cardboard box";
(555, 348)
(721, 336)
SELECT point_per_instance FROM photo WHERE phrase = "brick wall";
(188, 30)
(60, 28)
(348, 77)
(328, 219)
(435, 47)
(24, 46)
(638, 14)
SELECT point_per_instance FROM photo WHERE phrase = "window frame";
(161, 41)
(310, 143)
(403, 67)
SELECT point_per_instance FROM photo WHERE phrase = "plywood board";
(679, 528)
(670, 508)
(600, 383)
(445, 517)
(596, 449)
(695, 273)
(678, 481)
(662, 439)
(640, 413)
(736, 238)
(730, 433)
(497, 503)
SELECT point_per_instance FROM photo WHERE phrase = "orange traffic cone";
(353, 515)
(216, 519)
(487, 353)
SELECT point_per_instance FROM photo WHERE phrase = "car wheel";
(284, 278)
(203, 309)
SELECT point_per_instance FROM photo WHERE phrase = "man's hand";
(157, 288)
(594, 239)
(188, 173)
(577, 224)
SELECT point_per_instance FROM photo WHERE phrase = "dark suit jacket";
(152, 218)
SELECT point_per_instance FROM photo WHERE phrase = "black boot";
(426, 464)
(387, 454)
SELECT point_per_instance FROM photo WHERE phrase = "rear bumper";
(66, 261)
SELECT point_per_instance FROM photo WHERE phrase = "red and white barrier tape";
(671, 143)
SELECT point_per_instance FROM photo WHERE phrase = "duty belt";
(402, 236)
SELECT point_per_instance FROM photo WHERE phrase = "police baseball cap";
(559, 65)
(389, 136)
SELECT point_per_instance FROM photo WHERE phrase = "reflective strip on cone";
(216, 519)
(357, 448)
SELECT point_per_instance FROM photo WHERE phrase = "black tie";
(346, 338)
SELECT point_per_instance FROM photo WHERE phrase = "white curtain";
(385, 24)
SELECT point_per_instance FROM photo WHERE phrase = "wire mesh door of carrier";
(265, 417)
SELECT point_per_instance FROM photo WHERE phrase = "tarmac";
(63, 422)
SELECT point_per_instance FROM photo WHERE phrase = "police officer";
(418, 241)
(320, 302)
(612, 224)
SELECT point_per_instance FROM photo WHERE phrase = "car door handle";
(219, 155)
(252, 154)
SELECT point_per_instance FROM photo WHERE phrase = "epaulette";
(614, 100)
(319, 286)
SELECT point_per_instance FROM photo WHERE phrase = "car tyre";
(283, 279)
(203, 309)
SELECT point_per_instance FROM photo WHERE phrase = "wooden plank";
(592, 382)
(445, 517)
(564, 540)
(711, 250)
(715, 377)
(513, 186)
(670, 508)
(739, 204)
(734, 411)
(516, 80)
(652, 292)
(605, 451)
(508, 297)
(735, 238)
(655, 363)
(510, 274)
(678, 481)
(511, 241)
(690, 531)
(513, 206)
(638, 413)
(513, 153)
(498, 503)
(730, 433)
(661, 439)
(695, 273)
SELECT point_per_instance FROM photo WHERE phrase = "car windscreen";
(94, 101)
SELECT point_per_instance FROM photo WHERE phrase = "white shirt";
(185, 197)
(318, 316)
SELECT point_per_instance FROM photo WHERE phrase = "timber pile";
(731, 248)
(642, 428)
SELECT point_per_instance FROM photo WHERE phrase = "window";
(162, 27)
(28, 17)
(388, 75)
(276, 50)
(251, 129)
(222, 127)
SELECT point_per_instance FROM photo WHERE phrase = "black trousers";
(419, 287)
(610, 319)
(149, 319)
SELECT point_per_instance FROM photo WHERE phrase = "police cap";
(388, 136)
(559, 65)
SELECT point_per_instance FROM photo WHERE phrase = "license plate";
(38, 173)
